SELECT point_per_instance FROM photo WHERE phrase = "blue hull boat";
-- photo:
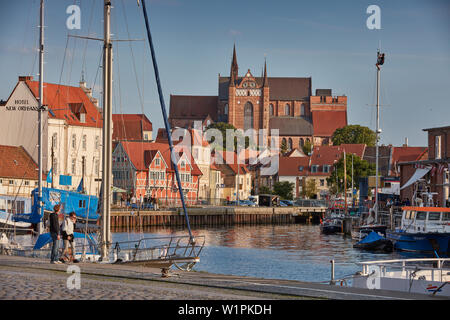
(421, 242)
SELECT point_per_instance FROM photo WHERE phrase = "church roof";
(279, 88)
(193, 107)
(291, 126)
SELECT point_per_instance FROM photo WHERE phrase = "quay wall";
(216, 216)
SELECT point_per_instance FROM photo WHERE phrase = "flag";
(80, 186)
(49, 176)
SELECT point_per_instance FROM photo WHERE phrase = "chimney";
(406, 142)
(25, 78)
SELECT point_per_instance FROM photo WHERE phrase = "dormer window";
(79, 110)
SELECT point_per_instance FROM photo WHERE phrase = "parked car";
(286, 203)
(247, 203)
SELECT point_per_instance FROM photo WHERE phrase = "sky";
(327, 40)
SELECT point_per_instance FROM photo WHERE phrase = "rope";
(166, 122)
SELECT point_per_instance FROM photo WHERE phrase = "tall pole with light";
(380, 62)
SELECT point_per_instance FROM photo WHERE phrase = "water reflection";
(297, 252)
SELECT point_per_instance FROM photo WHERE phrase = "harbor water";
(292, 252)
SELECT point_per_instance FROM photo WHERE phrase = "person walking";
(68, 237)
(54, 233)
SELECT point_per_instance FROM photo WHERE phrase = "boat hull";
(382, 245)
(330, 229)
(420, 242)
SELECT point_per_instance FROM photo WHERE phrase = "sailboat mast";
(40, 111)
(107, 132)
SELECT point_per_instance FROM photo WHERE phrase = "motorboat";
(430, 276)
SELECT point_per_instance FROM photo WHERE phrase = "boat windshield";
(421, 216)
(446, 216)
(434, 216)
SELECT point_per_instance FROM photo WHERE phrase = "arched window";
(301, 143)
(290, 144)
(225, 109)
(283, 142)
(248, 116)
(287, 110)
(271, 110)
(302, 110)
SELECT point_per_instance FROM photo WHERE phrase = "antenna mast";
(380, 62)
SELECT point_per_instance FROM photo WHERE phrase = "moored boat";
(423, 229)
(374, 242)
(424, 276)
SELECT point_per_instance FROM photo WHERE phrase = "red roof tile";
(326, 122)
(17, 163)
(289, 166)
(61, 99)
(130, 126)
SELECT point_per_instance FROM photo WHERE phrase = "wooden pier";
(216, 216)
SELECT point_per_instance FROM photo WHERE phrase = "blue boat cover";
(371, 237)
(84, 206)
(46, 238)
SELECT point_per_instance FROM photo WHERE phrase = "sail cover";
(420, 172)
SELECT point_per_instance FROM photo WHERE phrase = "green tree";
(354, 134)
(307, 147)
(361, 168)
(309, 190)
(265, 190)
(284, 189)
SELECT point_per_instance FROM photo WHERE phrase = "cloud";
(234, 33)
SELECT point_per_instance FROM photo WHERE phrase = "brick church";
(249, 102)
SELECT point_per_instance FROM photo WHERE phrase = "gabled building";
(145, 170)
(18, 172)
(72, 130)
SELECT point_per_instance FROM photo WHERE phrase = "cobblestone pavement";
(52, 285)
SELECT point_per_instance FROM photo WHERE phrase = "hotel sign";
(21, 105)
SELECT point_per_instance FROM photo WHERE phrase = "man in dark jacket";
(54, 233)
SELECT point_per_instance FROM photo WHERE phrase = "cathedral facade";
(249, 102)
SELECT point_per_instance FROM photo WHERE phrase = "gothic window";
(290, 144)
(248, 116)
(287, 110)
(271, 110)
